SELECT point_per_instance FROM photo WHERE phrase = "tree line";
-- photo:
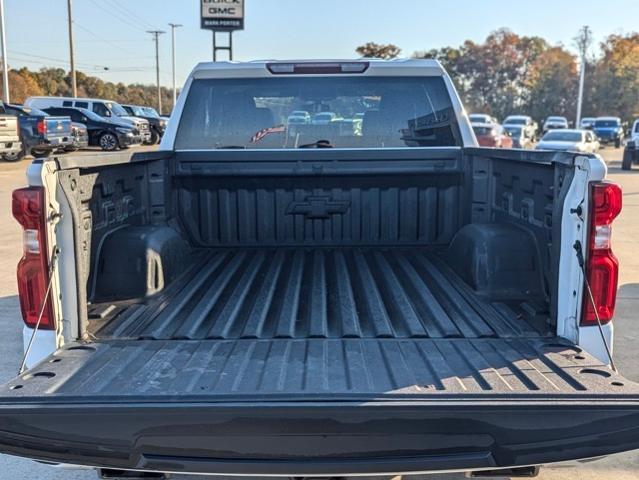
(509, 74)
(24, 83)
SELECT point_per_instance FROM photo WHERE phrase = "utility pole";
(156, 35)
(5, 68)
(74, 83)
(173, 27)
(583, 42)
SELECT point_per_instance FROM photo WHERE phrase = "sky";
(111, 34)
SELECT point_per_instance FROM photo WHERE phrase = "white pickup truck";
(10, 143)
(304, 300)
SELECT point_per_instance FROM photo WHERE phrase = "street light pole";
(156, 35)
(173, 27)
(74, 83)
(5, 68)
(583, 41)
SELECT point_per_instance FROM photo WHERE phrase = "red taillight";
(42, 127)
(602, 267)
(33, 269)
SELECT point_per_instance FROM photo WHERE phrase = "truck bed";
(383, 293)
(322, 324)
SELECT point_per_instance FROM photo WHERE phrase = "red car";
(491, 135)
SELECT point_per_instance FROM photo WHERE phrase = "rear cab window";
(339, 112)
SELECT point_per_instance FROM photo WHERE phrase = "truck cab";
(266, 298)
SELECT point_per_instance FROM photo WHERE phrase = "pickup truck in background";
(156, 123)
(255, 299)
(631, 151)
(10, 144)
(40, 133)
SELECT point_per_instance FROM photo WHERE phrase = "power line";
(102, 40)
(41, 59)
(116, 4)
(117, 16)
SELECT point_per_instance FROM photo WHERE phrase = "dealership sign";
(223, 15)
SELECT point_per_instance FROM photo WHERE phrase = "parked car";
(80, 136)
(10, 144)
(491, 135)
(524, 121)
(482, 118)
(299, 117)
(609, 130)
(104, 108)
(554, 123)
(519, 136)
(325, 118)
(367, 309)
(40, 133)
(569, 140)
(587, 123)
(158, 125)
(109, 135)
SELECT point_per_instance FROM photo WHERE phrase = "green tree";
(376, 50)
(552, 83)
(615, 81)
(508, 73)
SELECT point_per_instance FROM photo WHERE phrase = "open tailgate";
(319, 406)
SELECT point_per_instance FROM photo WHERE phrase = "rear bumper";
(319, 438)
(80, 142)
(51, 143)
(10, 147)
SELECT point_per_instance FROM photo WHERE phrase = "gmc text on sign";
(223, 15)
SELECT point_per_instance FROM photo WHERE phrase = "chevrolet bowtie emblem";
(318, 207)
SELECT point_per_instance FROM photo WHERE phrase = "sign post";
(223, 16)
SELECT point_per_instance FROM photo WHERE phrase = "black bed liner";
(317, 369)
(322, 293)
(319, 362)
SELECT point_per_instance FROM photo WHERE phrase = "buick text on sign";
(223, 15)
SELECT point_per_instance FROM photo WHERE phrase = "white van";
(105, 108)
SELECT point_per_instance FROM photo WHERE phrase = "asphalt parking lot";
(619, 467)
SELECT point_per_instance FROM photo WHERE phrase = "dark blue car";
(609, 130)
